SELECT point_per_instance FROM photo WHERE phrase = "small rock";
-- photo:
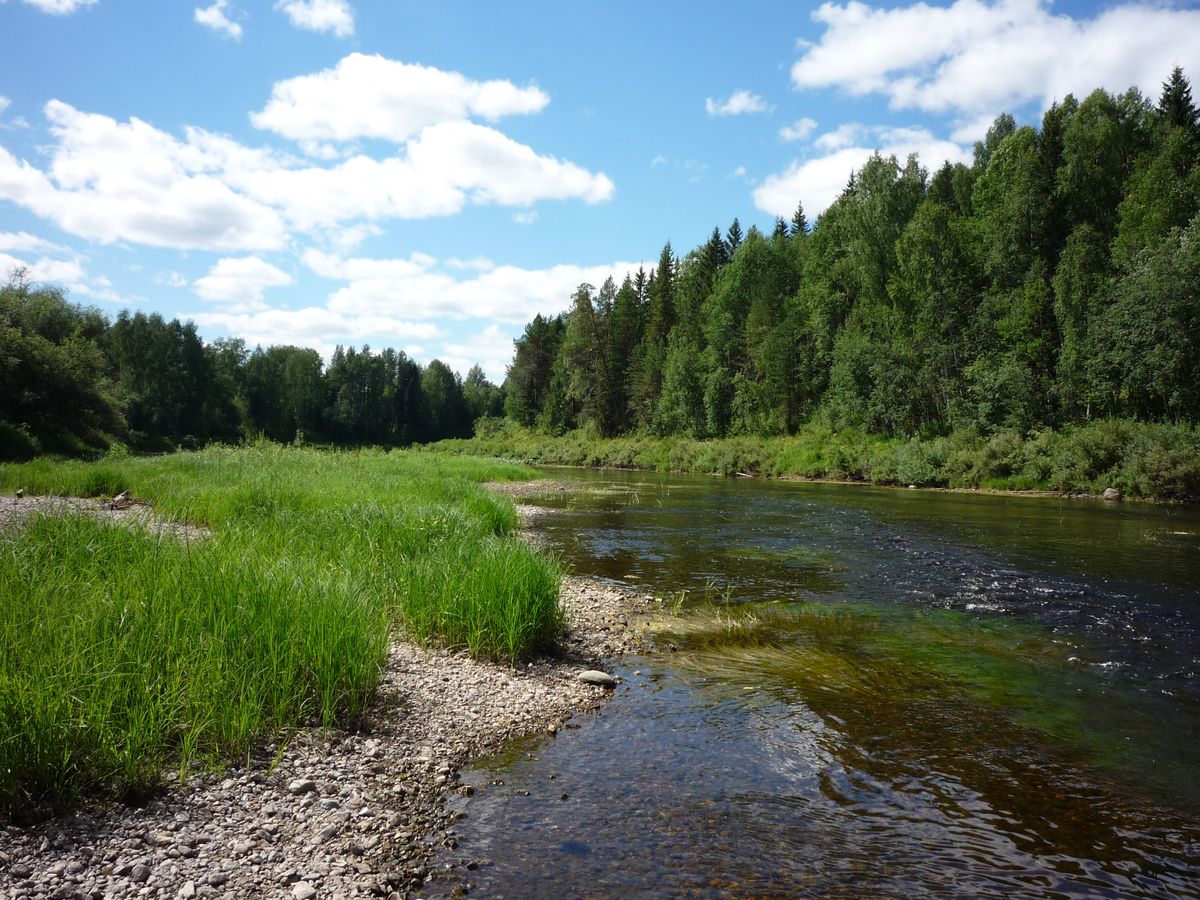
(598, 678)
(302, 786)
(188, 890)
(1112, 495)
(140, 873)
(302, 890)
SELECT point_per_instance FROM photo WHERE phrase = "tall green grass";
(124, 654)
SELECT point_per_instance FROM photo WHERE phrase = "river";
(864, 691)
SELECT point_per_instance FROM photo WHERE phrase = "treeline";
(71, 381)
(1055, 281)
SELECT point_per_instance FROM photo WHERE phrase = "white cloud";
(798, 130)
(974, 57)
(171, 279)
(215, 17)
(110, 181)
(418, 288)
(478, 263)
(239, 282)
(24, 242)
(818, 182)
(5, 103)
(491, 349)
(740, 103)
(320, 15)
(845, 135)
(314, 327)
(525, 218)
(70, 274)
(374, 97)
(60, 7)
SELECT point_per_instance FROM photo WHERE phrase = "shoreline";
(1043, 493)
(339, 813)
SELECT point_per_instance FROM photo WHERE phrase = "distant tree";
(1175, 104)
(446, 414)
(799, 221)
(483, 399)
(528, 378)
(733, 237)
(54, 383)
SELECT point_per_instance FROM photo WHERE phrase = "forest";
(74, 383)
(1054, 282)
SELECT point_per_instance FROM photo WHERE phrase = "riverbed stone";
(598, 678)
(1112, 495)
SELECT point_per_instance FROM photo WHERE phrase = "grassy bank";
(123, 654)
(1142, 460)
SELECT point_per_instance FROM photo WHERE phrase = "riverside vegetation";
(124, 654)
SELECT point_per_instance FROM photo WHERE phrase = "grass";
(124, 655)
(1141, 459)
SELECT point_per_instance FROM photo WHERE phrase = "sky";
(429, 176)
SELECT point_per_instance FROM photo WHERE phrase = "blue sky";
(430, 176)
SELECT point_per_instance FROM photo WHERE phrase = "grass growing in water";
(123, 653)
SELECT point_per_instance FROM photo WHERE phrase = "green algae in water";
(850, 661)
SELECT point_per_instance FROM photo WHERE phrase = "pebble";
(302, 890)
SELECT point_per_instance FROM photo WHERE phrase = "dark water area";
(871, 692)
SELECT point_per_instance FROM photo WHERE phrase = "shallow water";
(873, 692)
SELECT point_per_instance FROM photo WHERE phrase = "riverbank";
(334, 812)
(1141, 460)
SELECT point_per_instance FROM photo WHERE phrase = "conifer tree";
(799, 221)
(1175, 105)
(733, 237)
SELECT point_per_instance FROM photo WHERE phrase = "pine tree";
(781, 228)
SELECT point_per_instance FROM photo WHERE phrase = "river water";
(865, 692)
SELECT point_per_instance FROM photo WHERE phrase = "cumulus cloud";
(973, 57)
(740, 103)
(320, 15)
(70, 274)
(818, 182)
(24, 242)
(491, 349)
(215, 17)
(419, 287)
(239, 282)
(5, 103)
(374, 97)
(110, 181)
(315, 327)
(60, 7)
(798, 130)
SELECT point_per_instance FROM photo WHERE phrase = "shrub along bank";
(1141, 459)
(124, 654)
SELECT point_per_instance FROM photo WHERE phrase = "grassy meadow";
(124, 654)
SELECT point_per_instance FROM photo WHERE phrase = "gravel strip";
(334, 814)
(131, 513)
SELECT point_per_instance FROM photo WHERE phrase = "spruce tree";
(1175, 105)
(799, 221)
(733, 237)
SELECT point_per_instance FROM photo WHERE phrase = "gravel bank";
(332, 814)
